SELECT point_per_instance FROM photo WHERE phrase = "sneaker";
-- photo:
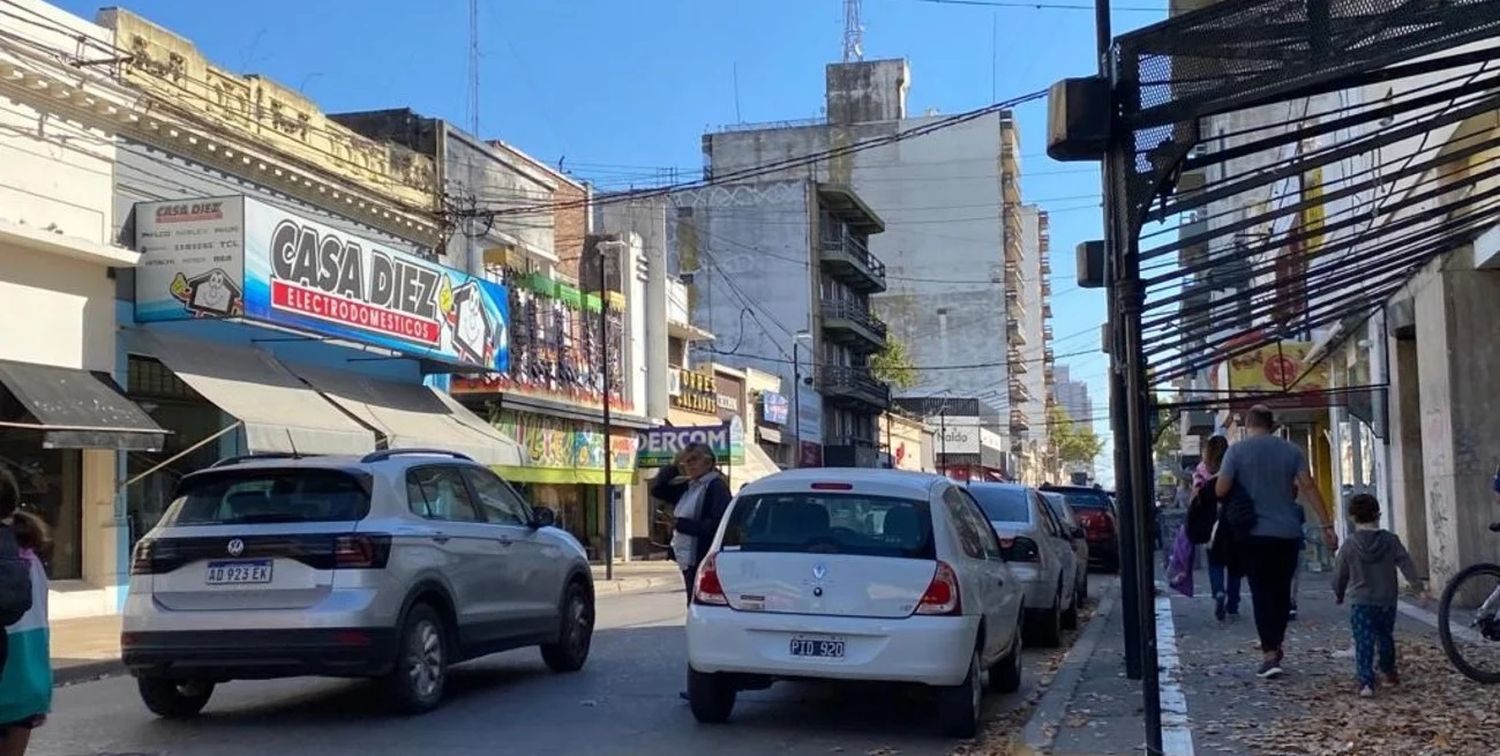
(1270, 669)
(1292, 615)
(1219, 608)
(1391, 678)
(1366, 691)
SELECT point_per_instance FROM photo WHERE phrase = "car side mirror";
(1076, 531)
(543, 517)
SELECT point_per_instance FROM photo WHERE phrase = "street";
(624, 701)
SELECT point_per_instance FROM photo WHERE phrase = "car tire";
(960, 706)
(710, 696)
(1005, 675)
(1069, 619)
(1045, 628)
(1083, 587)
(416, 685)
(174, 699)
(575, 636)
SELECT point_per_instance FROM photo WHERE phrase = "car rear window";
(1083, 500)
(831, 524)
(1002, 503)
(245, 497)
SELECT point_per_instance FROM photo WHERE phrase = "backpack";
(15, 580)
(1202, 513)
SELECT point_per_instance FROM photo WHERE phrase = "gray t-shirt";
(1266, 467)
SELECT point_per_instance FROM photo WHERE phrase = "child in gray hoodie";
(1364, 572)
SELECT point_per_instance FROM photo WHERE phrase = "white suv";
(392, 565)
(855, 575)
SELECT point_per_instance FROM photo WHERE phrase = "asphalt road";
(625, 701)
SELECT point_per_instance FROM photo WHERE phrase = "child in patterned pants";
(1364, 572)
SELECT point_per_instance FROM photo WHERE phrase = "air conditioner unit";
(674, 383)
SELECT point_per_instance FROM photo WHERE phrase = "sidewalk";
(87, 648)
(1208, 671)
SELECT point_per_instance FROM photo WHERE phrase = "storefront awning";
(280, 413)
(412, 415)
(757, 465)
(76, 409)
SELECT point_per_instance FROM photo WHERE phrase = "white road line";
(1176, 735)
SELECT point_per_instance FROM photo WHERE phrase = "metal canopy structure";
(1278, 167)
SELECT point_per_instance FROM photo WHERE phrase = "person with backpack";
(1262, 479)
(1205, 516)
(26, 677)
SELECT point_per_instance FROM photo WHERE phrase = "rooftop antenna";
(474, 67)
(854, 33)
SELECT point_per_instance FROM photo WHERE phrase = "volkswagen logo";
(820, 571)
(236, 547)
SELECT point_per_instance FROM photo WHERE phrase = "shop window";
(51, 483)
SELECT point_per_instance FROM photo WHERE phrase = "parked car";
(1040, 553)
(1096, 511)
(394, 565)
(1077, 536)
(855, 575)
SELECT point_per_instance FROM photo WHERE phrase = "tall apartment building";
(952, 250)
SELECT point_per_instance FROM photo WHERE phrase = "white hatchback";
(855, 575)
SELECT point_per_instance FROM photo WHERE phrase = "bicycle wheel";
(1468, 625)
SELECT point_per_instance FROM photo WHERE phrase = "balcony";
(1013, 307)
(1015, 336)
(1017, 361)
(854, 386)
(1019, 422)
(1048, 355)
(1046, 333)
(848, 259)
(852, 324)
(1018, 393)
(850, 451)
(1047, 310)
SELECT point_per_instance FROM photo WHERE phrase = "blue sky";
(621, 90)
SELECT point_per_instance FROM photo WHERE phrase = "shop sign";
(659, 446)
(958, 434)
(698, 394)
(774, 408)
(1280, 368)
(238, 257)
(559, 450)
(729, 395)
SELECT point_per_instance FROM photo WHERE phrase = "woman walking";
(700, 496)
(1221, 564)
(26, 680)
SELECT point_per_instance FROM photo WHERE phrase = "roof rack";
(385, 454)
(225, 462)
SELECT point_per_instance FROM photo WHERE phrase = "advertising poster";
(230, 257)
(658, 446)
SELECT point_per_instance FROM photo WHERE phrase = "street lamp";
(797, 395)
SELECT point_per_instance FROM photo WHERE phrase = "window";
(969, 535)
(986, 530)
(1049, 521)
(266, 496)
(439, 493)
(802, 523)
(1003, 503)
(497, 502)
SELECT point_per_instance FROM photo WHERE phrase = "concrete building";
(948, 295)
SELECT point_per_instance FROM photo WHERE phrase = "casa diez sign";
(238, 257)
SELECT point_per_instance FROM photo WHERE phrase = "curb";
(87, 672)
(90, 671)
(1041, 730)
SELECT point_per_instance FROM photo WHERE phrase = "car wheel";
(960, 706)
(1069, 619)
(174, 699)
(710, 696)
(576, 634)
(1083, 587)
(1005, 676)
(1046, 627)
(416, 685)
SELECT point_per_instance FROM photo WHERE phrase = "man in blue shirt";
(1273, 474)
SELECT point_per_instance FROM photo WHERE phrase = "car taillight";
(709, 590)
(141, 562)
(942, 593)
(1020, 549)
(360, 551)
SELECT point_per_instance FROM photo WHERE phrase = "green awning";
(591, 302)
(570, 296)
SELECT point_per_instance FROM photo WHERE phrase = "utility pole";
(609, 483)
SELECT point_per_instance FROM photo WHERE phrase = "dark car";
(1096, 512)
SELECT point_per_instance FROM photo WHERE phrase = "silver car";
(1063, 512)
(394, 565)
(1040, 553)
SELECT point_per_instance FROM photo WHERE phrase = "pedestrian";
(26, 680)
(1224, 574)
(699, 495)
(1271, 474)
(1364, 573)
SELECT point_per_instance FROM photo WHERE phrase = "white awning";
(280, 413)
(757, 465)
(411, 415)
